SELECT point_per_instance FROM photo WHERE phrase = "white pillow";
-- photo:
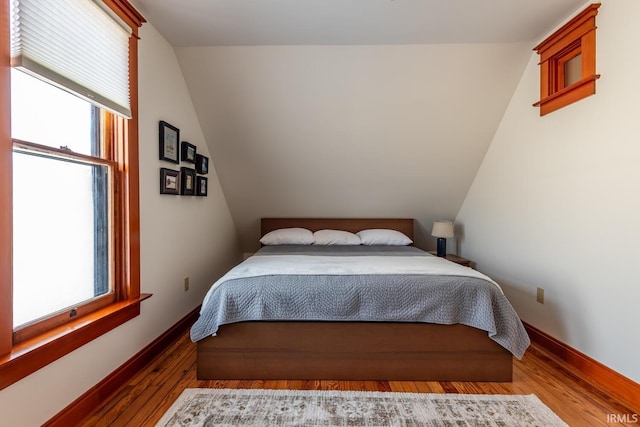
(379, 236)
(288, 236)
(335, 237)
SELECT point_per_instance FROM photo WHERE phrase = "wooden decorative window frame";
(576, 37)
(20, 358)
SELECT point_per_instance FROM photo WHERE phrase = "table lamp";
(443, 230)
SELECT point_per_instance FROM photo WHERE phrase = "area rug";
(226, 407)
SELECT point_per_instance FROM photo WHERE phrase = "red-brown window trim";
(577, 34)
(18, 361)
(31, 355)
(6, 185)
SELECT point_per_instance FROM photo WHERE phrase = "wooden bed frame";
(351, 350)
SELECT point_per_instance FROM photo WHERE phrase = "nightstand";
(455, 258)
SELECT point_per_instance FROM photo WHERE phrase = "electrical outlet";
(540, 295)
(186, 284)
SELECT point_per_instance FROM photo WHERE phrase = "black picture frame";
(188, 152)
(202, 184)
(202, 164)
(169, 181)
(187, 181)
(169, 142)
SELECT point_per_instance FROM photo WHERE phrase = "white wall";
(556, 203)
(180, 236)
(351, 131)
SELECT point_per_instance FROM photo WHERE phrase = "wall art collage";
(189, 180)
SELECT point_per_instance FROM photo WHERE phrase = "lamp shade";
(442, 229)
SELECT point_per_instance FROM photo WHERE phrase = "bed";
(303, 343)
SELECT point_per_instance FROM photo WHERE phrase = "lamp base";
(442, 247)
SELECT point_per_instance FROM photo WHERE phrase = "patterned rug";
(225, 407)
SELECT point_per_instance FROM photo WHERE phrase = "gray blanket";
(446, 299)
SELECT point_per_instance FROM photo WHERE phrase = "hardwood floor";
(143, 400)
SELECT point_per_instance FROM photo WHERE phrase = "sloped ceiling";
(356, 130)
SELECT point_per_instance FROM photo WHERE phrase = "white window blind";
(74, 44)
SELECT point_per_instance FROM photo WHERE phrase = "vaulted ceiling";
(350, 107)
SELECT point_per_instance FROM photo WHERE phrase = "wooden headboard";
(404, 225)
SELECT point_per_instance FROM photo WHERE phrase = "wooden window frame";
(578, 36)
(18, 360)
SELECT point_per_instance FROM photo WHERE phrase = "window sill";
(37, 352)
(568, 95)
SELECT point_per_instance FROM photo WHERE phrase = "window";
(568, 62)
(62, 206)
(69, 263)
